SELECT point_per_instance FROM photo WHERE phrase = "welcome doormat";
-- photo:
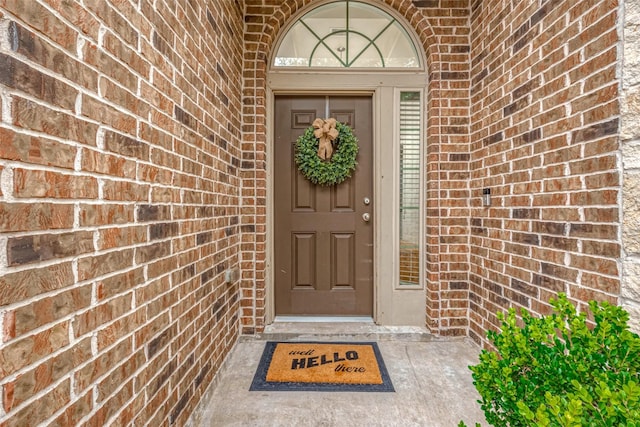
(321, 366)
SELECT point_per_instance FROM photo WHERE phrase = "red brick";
(95, 266)
(120, 328)
(41, 19)
(32, 116)
(610, 250)
(563, 184)
(601, 146)
(105, 214)
(608, 215)
(561, 214)
(126, 54)
(124, 98)
(120, 375)
(593, 32)
(77, 15)
(156, 175)
(45, 184)
(44, 407)
(97, 162)
(49, 310)
(125, 191)
(593, 197)
(598, 282)
(152, 328)
(47, 55)
(589, 166)
(123, 149)
(586, 294)
(27, 249)
(598, 265)
(596, 231)
(115, 21)
(600, 113)
(17, 75)
(97, 58)
(101, 314)
(77, 411)
(152, 252)
(36, 380)
(159, 100)
(35, 217)
(86, 376)
(22, 285)
(112, 238)
(105, 114)
(601, 96)
(120, 284)
(33, 150)
(29, 350)
(125, 417)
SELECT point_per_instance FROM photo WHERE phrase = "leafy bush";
(557, 371)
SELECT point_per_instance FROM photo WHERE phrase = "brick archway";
(445, 40)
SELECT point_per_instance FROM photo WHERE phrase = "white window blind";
(410, 136)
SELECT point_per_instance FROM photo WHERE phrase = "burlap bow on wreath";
(326, 152)
(326, 132)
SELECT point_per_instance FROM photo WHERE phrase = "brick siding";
(133, 148)
(119, 207)
(522, 100)
(442, 27)
(544, 140)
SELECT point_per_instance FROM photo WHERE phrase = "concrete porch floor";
(431, 377)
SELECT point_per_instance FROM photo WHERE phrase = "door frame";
(391, 305)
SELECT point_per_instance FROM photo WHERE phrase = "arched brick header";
(444, 35)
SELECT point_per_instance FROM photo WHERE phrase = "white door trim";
(392, 306)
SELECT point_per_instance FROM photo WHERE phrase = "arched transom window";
(347, 34)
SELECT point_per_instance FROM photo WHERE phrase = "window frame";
(398, 285)
(400, 20)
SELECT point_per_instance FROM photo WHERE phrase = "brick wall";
(442, 27)
(630, 136)
(133, 177)
(544, 140)
(120, 159)
(447, 165)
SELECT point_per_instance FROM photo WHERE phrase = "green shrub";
(557, 371)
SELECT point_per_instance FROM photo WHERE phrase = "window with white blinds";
(410, 136)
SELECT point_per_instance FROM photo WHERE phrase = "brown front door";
(323, 246)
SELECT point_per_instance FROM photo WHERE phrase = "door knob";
(366, 217)
(366, 201)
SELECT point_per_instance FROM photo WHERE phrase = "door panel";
(343, 258)
(304, 260)
(323, 248)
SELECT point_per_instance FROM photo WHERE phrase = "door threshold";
(323, 319)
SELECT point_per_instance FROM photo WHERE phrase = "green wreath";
(332, 171)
